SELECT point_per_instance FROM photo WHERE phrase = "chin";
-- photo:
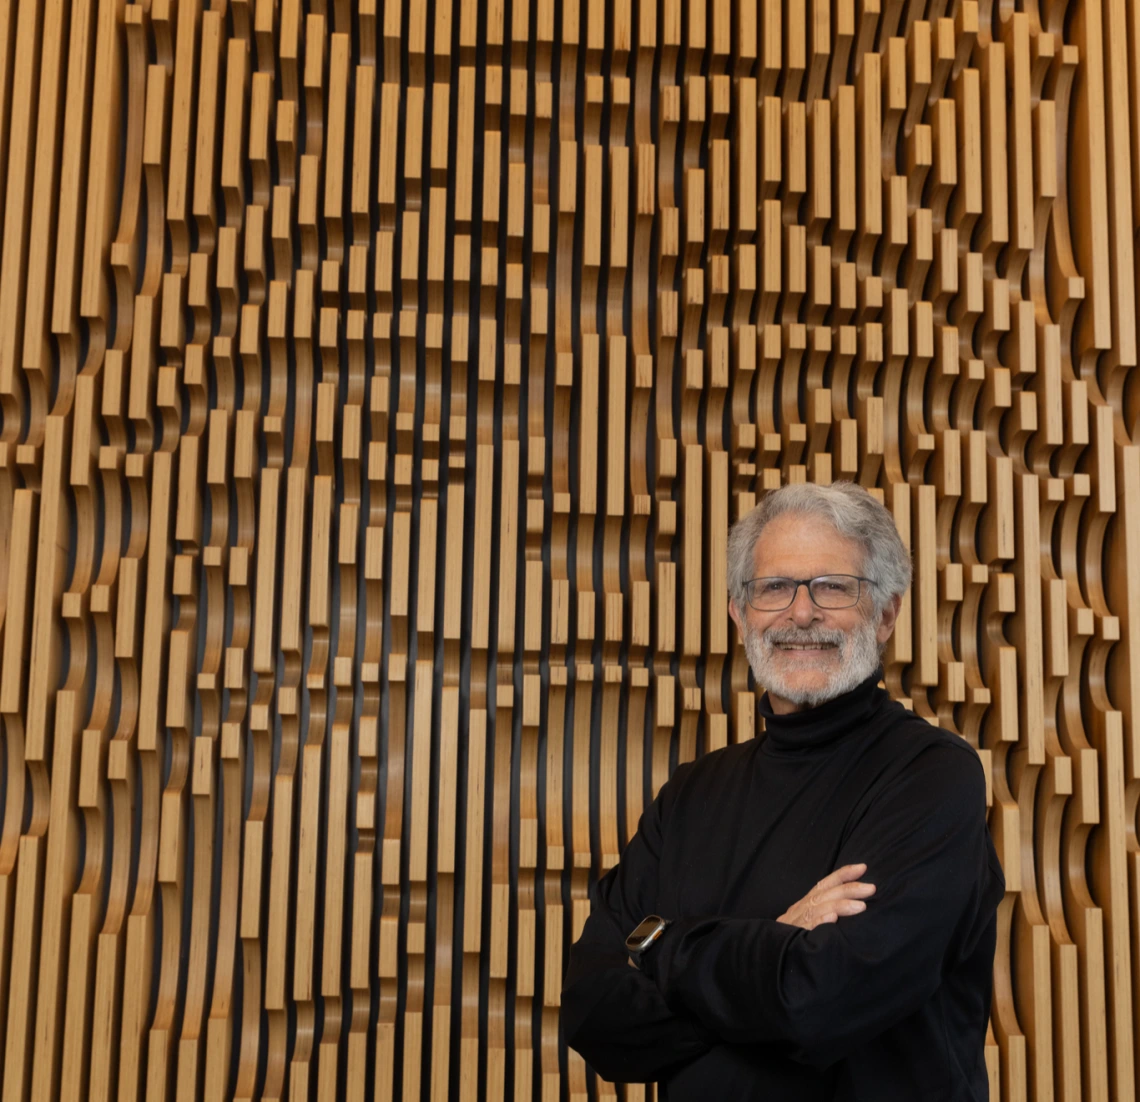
(807, 668)
(802, 686)
(799, 659)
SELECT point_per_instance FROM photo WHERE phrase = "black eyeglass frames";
(830, 591)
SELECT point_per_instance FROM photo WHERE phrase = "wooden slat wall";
(377, 384)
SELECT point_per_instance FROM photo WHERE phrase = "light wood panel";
(378, 383)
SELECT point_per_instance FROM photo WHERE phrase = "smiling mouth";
(806, 646)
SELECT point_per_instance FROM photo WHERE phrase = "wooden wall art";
(378, 382)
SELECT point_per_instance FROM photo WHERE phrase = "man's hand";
(835, 896)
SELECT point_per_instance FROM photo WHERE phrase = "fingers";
(840, 901)
(842, 875)
(843, 908)
(826, 900)
(838, 895)
(857, 890)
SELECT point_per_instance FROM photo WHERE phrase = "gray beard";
(859, 657)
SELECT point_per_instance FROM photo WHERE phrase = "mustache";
(774, 636)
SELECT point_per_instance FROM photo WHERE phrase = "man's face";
(804, 655)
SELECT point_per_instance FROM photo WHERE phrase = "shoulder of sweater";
(930, 747)
(912, 725)
(715, 764)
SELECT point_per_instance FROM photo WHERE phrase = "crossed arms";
(823, 991)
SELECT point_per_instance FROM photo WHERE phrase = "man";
(810, 915)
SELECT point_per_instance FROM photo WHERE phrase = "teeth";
(805, 646)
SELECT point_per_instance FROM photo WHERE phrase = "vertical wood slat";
(383, 512)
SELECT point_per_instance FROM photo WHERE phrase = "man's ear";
(735, 614)
(887, 619)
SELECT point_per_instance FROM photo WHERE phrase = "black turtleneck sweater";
(888, 1004)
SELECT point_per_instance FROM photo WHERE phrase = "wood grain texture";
(378, 383)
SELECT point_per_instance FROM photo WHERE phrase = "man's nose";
(803, 610)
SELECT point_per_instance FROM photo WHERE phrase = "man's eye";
(775, 587)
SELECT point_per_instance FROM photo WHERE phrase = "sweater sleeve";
(612, 1013)
(825, 992)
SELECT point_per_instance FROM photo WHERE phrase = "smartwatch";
(645, 933)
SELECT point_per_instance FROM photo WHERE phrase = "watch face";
(644, 928)
(644, 933)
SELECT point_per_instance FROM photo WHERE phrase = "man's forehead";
(806, 539)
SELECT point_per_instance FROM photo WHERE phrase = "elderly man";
(811, 914)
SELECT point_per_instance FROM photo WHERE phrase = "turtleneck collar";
(824, 724)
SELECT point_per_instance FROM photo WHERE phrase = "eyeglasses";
(828, 591)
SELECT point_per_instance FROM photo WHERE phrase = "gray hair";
(856, 515)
